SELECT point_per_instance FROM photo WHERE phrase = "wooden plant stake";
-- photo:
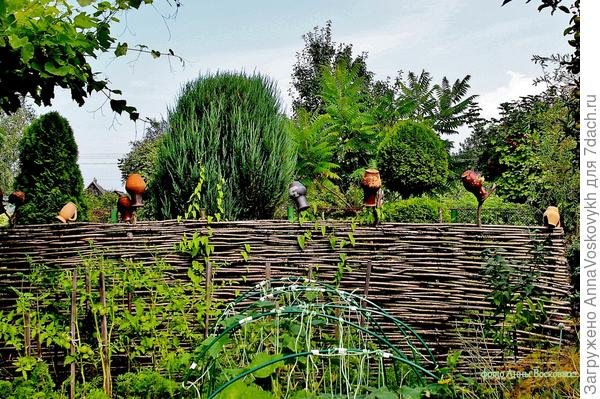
(27, 332)
(73, 331)
(208, 296)
(107, 380)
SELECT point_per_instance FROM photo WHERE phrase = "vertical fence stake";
(440, 215)
(107, 383)
(268, 271)
(73, 330)
(366, 289)
(208, 288)
(368, 278)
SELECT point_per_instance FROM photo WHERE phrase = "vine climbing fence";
(427, 275)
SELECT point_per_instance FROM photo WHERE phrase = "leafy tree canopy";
(11, 131)
(321, 53)
(143, 152)
(46, 44)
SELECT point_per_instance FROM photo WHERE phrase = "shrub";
(230, 125)
(146, 384)
(412, 210)
(49, 174)
(413, 159)
(100, 207)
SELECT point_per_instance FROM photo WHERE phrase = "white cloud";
(517, 86)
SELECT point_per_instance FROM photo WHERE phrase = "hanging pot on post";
(68, 213)
(135, 186)
(17, 198)
(297, 192)
(371, 185)
(552, 217)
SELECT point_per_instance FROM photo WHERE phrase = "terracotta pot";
(68, 213)
(135, 186)
(371, 185)
(473, 182)
(552, 217)
(297, 192)
(17, 198)
(124, 208)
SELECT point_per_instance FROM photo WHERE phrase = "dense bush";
(49, 174)
(460, 209)
(413, 159)
(100, 207)
(412, 210)
(232, 126)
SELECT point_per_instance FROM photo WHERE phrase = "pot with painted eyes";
(297, 192)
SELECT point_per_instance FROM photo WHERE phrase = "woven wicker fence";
(426, 275)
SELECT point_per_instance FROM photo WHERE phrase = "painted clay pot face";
(124, 208)
(68, 213)
(297, 193)
(135, 186)
(371, 185)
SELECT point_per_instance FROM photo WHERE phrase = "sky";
(451, 38)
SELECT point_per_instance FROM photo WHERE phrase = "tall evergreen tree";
(49, 174)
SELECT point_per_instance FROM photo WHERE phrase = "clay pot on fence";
(68, 213)
(552, 217)
(297, 192)
(371, 185)
(124, 208)
(135, 186)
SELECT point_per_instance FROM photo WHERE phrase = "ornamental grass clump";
(231, 125)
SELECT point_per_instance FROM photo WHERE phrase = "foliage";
(412, 210)
(142, 156)
(49, 174)
(412, 159)
(315, 146)
(36, 383)
(514, 297)
(231, 125)
(442, 106)
(47, 43)
(145, 384)
(529, 155)
(321, 54)
(11, 131)
(100, 207)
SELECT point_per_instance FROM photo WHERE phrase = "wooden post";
(73, 331)
(27, 332)
(208, 288)
(440, 215)
(368, 278)
(268, 271)
(479, 205)
(107, 381)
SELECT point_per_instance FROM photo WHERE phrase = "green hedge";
(454, 210)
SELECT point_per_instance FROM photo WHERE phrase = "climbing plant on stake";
(46, 44)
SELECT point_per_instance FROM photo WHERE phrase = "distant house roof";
(95, 188)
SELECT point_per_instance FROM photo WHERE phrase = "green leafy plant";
(514, 296)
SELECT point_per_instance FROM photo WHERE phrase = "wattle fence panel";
(427, 275)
